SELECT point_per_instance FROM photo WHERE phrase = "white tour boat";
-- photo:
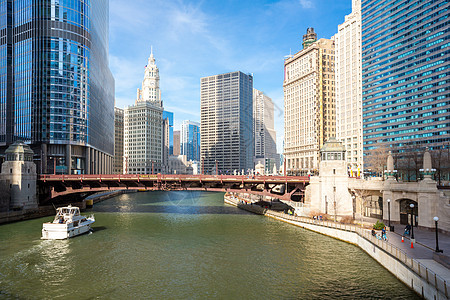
(67, 223)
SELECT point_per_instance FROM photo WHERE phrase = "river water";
(167, 245)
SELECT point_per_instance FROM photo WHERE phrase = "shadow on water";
(98, 228)
(183, 209)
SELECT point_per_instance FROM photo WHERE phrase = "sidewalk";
(423, 248)
(425, 242)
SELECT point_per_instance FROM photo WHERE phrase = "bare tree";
(441, 162)
(376, 159)
(409, 160)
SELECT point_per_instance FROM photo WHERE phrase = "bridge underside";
(55, 188)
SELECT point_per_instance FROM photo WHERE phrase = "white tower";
(143, 126)
(150, 91)
(18, 178)
(328, 193)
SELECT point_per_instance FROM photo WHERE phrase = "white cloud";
(306, 3)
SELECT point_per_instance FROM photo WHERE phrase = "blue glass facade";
(169, 115)
(55, 84)
(405, 73)
(190, 140)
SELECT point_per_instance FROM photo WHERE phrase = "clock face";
(152, 83)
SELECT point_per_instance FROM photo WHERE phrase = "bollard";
(403, 240)
(412, 244)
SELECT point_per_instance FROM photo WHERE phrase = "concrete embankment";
(421, 279)
(256, 209)
(49, 210)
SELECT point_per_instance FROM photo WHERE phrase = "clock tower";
(150, 91)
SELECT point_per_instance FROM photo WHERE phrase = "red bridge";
(282, 187)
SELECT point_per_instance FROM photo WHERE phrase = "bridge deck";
(278, 186)
(170, 177)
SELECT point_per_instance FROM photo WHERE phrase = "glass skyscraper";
(167, 139)
(56, 88)
(405, 74)
(190, 140)
(167, 115)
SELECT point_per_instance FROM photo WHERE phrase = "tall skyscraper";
(167, 139)
(143, 122)
(349, 87)
(309, 103)
(56, 88)
(190, 140)
(263, 128)
(176, 143)
(118, 141)
(226, 104)
(405, 74)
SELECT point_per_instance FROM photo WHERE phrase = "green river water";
(186, 245)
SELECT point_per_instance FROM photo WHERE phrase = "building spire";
(151, 59)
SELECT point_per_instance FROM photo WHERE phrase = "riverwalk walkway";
(424, 248)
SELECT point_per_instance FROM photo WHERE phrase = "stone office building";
(309, 103)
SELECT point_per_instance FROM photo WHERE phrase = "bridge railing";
(420, 269)
(245, 178)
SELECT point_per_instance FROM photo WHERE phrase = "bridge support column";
(44, 158)
(100, 164)
(87, 162)
(394, 206)
(96, 161)
(69, 159)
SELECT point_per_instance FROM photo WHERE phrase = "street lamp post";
(412, 221)
(354, 205)
(436, 219)
(389, 213)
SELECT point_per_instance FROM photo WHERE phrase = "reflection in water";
(186, 245)
(54, 267)
(126, 203)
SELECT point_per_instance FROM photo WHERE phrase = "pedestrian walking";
(407, 229)
(383, 233)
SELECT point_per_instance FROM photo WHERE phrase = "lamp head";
(388, 200)
(411, 205)
(436, 219)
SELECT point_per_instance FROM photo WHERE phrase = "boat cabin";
(66, 213)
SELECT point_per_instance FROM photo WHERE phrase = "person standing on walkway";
(407, 229)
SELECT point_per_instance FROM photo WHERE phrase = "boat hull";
(52, 231)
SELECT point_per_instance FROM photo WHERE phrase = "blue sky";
(194, 39)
